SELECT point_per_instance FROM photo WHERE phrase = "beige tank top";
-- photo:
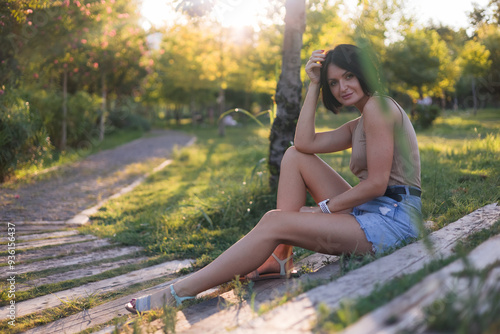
(406, 160)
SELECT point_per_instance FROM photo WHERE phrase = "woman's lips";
(346, 96)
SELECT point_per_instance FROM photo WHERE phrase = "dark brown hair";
(351, 58)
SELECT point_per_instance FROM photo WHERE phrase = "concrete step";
(26, 237)
(405, 313)
(56, 241)
(66, 261)
(60, 250)
(111, 284)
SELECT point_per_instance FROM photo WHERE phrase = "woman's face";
(344, 86)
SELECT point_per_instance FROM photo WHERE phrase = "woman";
(375, 215)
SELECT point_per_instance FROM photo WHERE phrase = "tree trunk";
(221, 99)
(64, 135)
(474, 95)
(288, 91)
(103, 108)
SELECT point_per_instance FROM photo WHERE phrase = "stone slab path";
(88, 181)
(46, 213)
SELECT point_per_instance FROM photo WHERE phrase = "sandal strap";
(282, 263)
(178, 299)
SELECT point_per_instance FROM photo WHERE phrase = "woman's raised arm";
(306, 138)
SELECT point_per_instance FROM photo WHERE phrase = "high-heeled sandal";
(178, 299)
(143, 304)
(282, 274)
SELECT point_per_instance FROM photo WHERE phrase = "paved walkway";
(64, 192)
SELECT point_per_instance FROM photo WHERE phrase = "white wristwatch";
(324, 207)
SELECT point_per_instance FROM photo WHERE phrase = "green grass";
(208, 198)
(216, 190)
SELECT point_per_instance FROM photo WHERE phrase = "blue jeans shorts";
(388, 222)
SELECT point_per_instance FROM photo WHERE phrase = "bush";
(83, 112)
(23, 139)
(423, 116)
(83, 115)
(125, 115)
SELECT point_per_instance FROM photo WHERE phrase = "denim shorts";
(388, 222)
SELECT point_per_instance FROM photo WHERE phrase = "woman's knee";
(269, 221)
(292, 155)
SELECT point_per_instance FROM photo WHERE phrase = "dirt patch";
(73, 188)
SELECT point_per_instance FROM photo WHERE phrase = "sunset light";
(230, 13)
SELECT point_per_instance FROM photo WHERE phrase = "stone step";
(213, 316)
(80, 273)
(107, 285)
(27, 237)
(405, 313)
(19, 224)
(106, 312)
(299, 315)
(56, 241)
(60, 250)
(74, 259)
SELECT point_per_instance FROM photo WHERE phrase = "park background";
(78, 77)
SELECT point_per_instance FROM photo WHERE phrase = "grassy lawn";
(216, 190)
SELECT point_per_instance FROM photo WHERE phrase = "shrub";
(83, 115)
(83, 112)
(125, 115)
(423, 116)
(23, 139)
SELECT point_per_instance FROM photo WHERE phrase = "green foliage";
(83, 110)
(169, 319)
(472, 310)
(126, 115)
(417, 60)
(424, 115)
(23, 139)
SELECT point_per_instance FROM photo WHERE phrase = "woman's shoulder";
(381, 105)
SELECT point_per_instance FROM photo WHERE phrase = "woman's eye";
(333, 83)
(349, 76)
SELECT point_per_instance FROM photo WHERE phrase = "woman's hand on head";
(313, 66)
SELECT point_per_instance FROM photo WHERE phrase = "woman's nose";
(342, 85)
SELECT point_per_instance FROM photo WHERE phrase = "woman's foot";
(139, 305)
(166, 297)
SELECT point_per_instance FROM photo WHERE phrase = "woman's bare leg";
(330, 234)
(301, 172)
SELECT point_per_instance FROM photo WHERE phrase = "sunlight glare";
(241, 13)
(230, 13)
(157, 13)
